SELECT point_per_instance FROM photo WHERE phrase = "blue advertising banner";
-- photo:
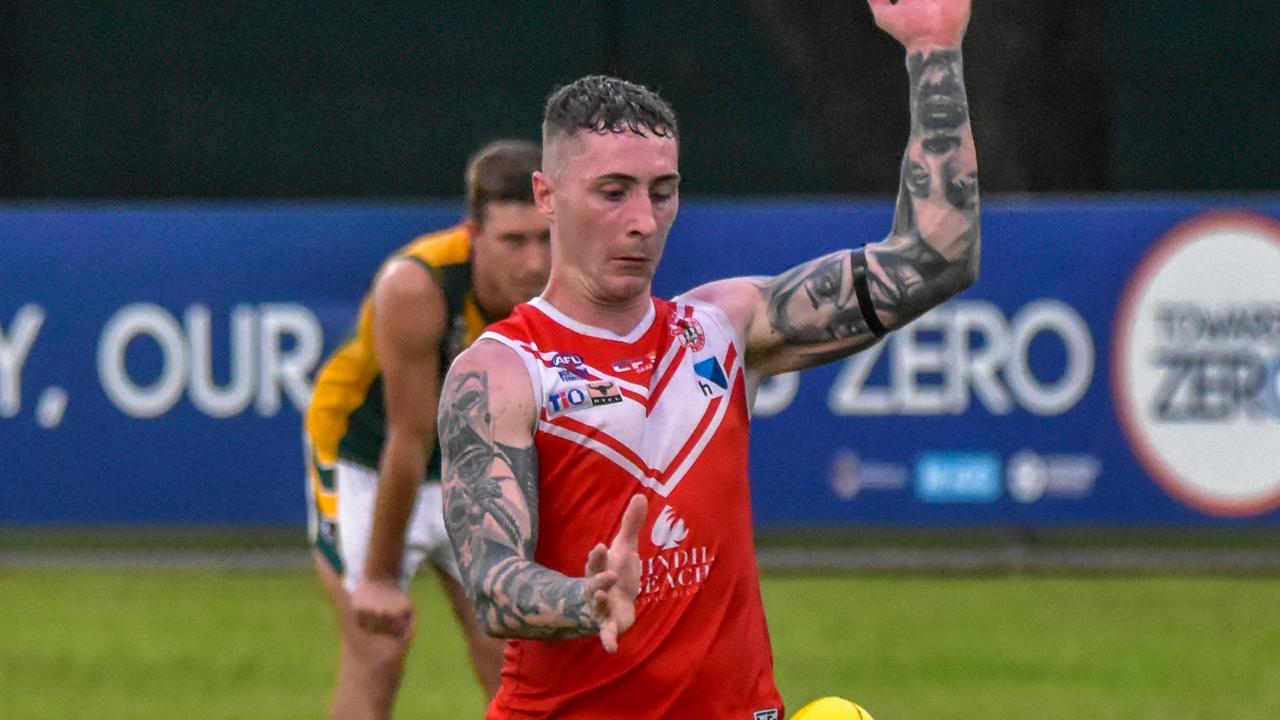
(1118, 363)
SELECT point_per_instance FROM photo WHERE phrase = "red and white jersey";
(662, 410)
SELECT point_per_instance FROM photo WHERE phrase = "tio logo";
(1196, 366)
(566, 400)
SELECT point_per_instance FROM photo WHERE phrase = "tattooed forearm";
(930, 254)
(491, 514)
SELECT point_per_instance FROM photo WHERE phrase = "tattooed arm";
(490, 478)
(836, 305)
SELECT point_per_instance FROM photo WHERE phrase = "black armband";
(859, 263)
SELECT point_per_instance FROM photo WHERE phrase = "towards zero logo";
(1196, 363)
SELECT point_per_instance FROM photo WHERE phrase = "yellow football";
(832, 708)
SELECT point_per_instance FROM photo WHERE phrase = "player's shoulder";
(488, 351)
(407, 282)
(438, 249)
(408, 300)
(496, 367)
(735, 301)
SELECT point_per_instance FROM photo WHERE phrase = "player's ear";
(543, 190)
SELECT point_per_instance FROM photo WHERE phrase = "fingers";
(597, 559)
(384, 623)
(609, 636)
(599, 582)
(632, 521)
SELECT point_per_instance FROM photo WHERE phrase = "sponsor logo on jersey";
(677, 569)
(643, 365)
(668, 530)
(766, 714)
(712, 380)
(604, 393)
(582, 396)
(689, 332)
(567, 400)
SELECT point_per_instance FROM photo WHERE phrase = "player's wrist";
(382, 579)
(927, 48)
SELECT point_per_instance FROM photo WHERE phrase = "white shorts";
(425, 536)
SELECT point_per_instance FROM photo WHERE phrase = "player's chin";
(624, 286)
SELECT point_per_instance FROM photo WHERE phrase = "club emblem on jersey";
(668, 530)
(711, 378)
(689, 332)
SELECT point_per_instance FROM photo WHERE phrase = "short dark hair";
(601, 104)
(501, 171)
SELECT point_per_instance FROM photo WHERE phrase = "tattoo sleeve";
(491, 513)
(930, 254)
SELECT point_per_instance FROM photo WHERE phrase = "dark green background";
(237, 99)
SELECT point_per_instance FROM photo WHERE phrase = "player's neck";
(617, 315)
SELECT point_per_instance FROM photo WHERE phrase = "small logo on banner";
(958, 477)
(689, 332)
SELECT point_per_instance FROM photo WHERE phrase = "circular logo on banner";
(1196, 363)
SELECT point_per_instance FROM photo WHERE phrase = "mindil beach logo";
(1196, 363)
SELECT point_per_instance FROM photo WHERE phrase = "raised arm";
(490, 476)
(835, 305)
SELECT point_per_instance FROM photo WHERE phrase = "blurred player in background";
(373, 465)
(597, 411)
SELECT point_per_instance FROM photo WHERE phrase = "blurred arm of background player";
(408, 328)
(834, 306)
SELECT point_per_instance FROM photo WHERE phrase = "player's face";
(512, 254)
(612, 200)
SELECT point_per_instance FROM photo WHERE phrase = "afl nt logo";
(1196, 363)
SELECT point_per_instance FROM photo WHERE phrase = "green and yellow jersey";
(347, 416)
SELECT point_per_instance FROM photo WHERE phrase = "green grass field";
(210, 644)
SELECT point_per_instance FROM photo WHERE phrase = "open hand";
(382, 608)
(616, 572)
(923, 25)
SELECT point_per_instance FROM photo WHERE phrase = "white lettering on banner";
(128, 324)
(287, 369)
(260, 368)
(15, 345)
(235, 396)
(940, 345)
